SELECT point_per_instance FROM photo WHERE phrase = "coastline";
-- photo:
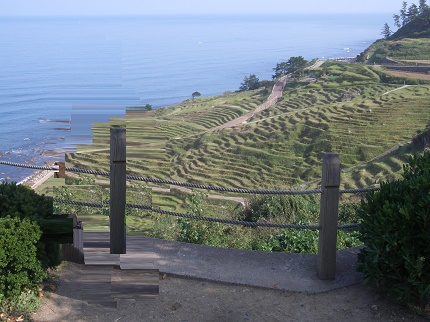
(32, 156)
(38, 177)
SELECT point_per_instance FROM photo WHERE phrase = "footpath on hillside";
(271, 100)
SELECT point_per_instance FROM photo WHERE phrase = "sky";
(155, 7)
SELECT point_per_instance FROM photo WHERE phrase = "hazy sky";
(142, 7)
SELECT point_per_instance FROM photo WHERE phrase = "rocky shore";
(38, 177)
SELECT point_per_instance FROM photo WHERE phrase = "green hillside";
(418, 27)
(406, 49)
(363, 112)
(347, 110)
(373, 117)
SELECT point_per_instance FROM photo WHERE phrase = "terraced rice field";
(284, 145)
(281, 147)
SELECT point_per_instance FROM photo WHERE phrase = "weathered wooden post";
(117, 190)
(329, 209)
(61, 170)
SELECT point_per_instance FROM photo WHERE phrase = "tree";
(280, 69)
(295, 65)
(386, 31)
(148, 107)
(413, 11)
(403, 13)
(397, 21)
(249, 83)
(423, 6)
(195, 94)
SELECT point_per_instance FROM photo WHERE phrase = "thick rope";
(236, 190)
(359, 190)
(191, 185)
(76, 203)
(30, 166)
(224, 221)
(209, 219)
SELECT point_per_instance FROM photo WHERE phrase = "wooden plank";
(74, 252)
(329, 209)
(136, 284)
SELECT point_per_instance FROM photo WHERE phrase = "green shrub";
(281, 208)
(295, 241)
(19, 266)
(305, 241)
(396, 233)
(19, 201)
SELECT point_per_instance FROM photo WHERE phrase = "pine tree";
(404, 13)
(386, 31)
(413, 11)
(423, 6)
(397, 21)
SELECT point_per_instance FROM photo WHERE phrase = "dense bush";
(306, 241)
(268, 208)
(21, 201)
(396, 233)
(281, 208)
(18, 201)
(19, 266)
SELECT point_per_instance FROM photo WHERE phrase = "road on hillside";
(272, 99)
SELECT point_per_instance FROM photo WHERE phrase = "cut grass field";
(409, 75)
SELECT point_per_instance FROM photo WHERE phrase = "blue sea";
(60, 75)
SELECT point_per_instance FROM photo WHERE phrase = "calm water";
(86, 69)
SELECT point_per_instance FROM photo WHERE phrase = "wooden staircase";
(112, 277)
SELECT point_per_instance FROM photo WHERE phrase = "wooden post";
(329, 209)
(61, 170)
(75, 252)
(117, 190)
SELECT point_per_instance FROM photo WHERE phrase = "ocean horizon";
(61, 74)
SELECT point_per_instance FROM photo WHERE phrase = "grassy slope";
(281, 147)
(345, 111)
(399, 50)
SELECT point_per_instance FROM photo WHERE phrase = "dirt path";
(396, 89)
(271, 100)
(183, 299)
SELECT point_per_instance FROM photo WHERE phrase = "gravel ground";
(183, 299)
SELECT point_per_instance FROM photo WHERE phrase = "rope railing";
(30, 166)
(191, 185)
(209, 219)
(76, 203)
(328, 222)
(223, 189)
(224, 221)
(199, 186)
(359, 190)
